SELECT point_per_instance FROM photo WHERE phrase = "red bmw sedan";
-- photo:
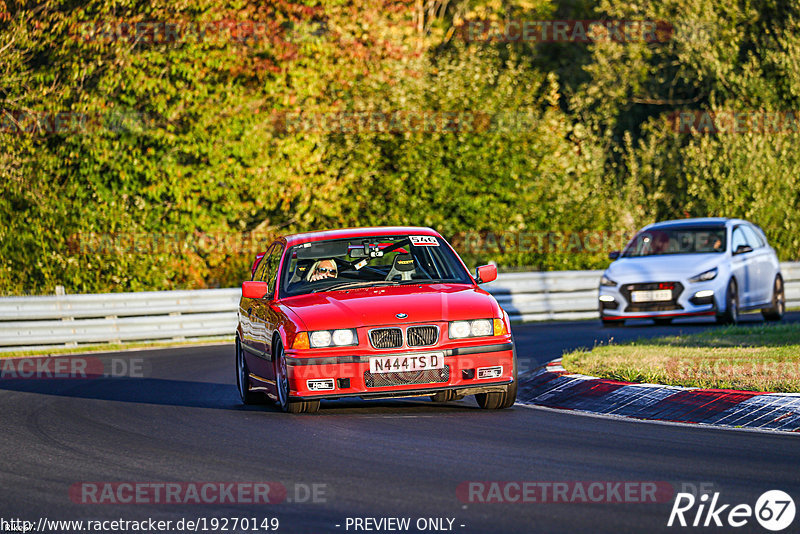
(371, 313)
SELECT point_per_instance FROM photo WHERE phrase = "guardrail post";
(177, 338)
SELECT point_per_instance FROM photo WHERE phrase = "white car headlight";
(606, 281)
(702, 277)
(342, 337)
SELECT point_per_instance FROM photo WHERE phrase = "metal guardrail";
(35, 322)
(46, 321)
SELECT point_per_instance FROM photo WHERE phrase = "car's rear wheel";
(778, 308)
(243, 379)
(497, 400)
(731, 313)
(282, 385)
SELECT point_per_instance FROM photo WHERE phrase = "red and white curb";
(553, 387)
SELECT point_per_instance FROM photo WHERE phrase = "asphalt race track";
(180, 420)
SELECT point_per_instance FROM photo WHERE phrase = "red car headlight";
(342, 337)
(476, 328)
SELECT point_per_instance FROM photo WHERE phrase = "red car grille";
(386, 338)
(431, 376)
(420, 336)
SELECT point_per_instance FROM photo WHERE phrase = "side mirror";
(486, 273)
(613, 255)
(743, 249)
(254, 290)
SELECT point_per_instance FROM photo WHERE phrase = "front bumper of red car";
(480, 366)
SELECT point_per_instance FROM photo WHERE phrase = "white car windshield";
(683, 240)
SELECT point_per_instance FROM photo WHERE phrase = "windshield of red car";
(659, 242)
(369, 261)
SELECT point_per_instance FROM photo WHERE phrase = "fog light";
(343, 383)
(608, 302)
(703, 297)
(489, 372)
(325, 384)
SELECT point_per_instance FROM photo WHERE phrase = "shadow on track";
(167, 392)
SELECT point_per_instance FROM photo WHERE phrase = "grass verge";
(760, 358)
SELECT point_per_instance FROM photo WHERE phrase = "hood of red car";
(380, 305)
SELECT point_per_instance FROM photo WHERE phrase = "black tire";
(243, 381)
(663, 321)
(282, 385)
(731, 314)
(498, 400)
(610, 322)
(446, 396)
(778, 308)
(443, 396)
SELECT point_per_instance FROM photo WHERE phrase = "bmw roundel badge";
(401, 315)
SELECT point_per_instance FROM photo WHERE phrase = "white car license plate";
(398, 363)
(651, 296)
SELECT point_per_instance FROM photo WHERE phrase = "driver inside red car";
(323, 269)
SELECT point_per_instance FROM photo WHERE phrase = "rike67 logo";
(774, 510)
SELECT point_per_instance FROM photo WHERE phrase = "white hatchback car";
(709, 266)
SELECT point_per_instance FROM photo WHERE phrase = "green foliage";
(183, 171)
(720, 58)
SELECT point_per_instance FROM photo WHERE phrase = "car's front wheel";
(497, 400)
(446, 396)
(731, 313)
(282, 384)
(243, 379)
(778, 308)
(611, 322)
